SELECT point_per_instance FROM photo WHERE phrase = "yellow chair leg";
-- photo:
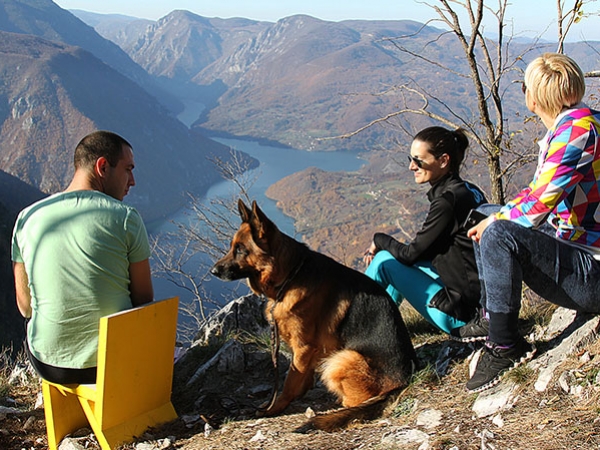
(88, 407)
(136, 426)
(63, 413)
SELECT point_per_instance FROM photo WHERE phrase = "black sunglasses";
(419, 162)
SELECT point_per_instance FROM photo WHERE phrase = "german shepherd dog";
(338, 322)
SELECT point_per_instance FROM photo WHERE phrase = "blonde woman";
(548, 236)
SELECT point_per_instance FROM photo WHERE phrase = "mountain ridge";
(303, 81)
(47, 91)
(45, 19)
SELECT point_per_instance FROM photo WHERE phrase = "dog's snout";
(216, 270)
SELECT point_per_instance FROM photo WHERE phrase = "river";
(275, 163)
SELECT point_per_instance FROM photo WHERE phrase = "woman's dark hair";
(441, 140)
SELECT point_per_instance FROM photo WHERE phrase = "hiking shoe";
(475, 330)
(495, 361)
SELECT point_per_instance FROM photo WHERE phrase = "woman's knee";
(500, 233)
(379, 260)
(387, 270)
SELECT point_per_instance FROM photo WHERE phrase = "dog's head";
(249, 254)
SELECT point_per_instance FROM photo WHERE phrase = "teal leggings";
(417, 284)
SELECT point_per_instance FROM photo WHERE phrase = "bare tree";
(566, 19)
(486, 80)
(185, 255)
(486, 72)
(488, 64)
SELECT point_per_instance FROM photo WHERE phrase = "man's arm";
(140, 285)
(22, 289)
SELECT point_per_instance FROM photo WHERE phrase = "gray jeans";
(509, 254)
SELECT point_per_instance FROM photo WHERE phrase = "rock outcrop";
(249, 363)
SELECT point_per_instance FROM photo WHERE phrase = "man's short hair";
(555, 81)
(98, 144)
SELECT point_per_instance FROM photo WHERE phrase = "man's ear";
(101, 166)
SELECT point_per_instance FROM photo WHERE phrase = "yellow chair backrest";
(133, 384)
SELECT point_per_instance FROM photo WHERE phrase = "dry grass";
(17, 379)
(5, 370)
(420, 330)
(549, 420)
(19, 389)
(535, 311)
(542, 421)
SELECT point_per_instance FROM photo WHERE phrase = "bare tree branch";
(571, 16)
(487, 73)
(183, 257)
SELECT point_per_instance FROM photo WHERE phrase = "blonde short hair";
(555, 81)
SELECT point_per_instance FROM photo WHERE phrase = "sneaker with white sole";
(495, 361)
(475, 330)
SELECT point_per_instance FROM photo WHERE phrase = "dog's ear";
(245, 212)
(260, 223)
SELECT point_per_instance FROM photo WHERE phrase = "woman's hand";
(476, 232)
(369, 254)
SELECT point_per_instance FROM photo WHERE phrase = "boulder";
(245, 314)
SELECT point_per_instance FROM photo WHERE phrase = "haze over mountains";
(54, 93)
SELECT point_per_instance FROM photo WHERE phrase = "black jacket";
(443, 241)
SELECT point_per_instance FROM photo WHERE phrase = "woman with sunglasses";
(435, 272)
(548, 236)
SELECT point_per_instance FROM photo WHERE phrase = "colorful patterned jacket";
(566, 186)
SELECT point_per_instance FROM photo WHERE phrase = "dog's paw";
(263, 409)
(261, 413)
(269, 409)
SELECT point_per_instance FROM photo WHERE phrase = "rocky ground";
(219, 383)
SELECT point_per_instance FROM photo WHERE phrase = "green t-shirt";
(76, 248)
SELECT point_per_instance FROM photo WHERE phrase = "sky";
(528, 20)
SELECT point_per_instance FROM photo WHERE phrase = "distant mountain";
(47, 20)
(302, 79)
(178, 47)
(53, 94)
(292, 82)
(182, 44)
(98, 21)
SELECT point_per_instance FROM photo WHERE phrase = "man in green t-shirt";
(79, 255)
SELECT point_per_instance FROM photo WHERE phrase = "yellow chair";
(133, 384)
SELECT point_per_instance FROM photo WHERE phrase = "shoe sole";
(493, 382)
(466, 340)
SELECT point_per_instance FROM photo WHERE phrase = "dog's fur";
(337, 321)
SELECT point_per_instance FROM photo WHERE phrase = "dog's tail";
(368, 410)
